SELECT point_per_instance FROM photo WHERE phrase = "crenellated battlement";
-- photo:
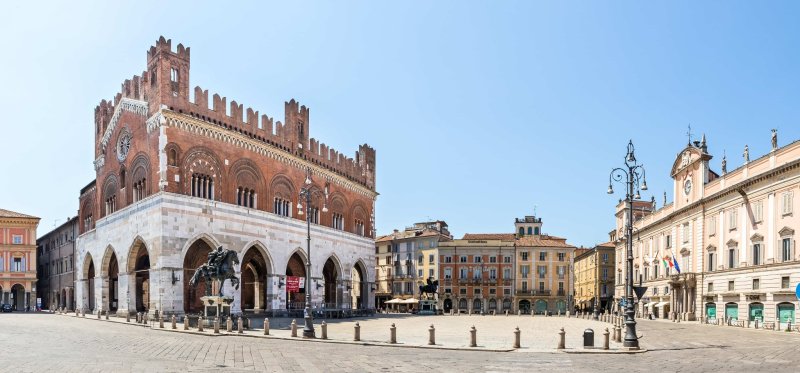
(166, 84)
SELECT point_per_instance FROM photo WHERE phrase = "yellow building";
(594, 278)
(18, 260)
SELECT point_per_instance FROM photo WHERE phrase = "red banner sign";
(292, 284)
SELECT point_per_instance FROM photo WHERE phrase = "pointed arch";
(360, 285)
(209, 239)
(262, 248)
(87, 263)
(255, 269)
(106, 261)
(137, 250)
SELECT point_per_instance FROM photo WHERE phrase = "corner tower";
(167, 75)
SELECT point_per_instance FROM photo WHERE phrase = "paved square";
(44, 342)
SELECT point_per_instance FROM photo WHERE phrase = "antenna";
(689, 134)
(534, 210)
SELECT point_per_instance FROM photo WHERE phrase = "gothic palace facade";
(176, 178)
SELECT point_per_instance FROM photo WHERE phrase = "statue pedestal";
(216, 306)
(427, 307)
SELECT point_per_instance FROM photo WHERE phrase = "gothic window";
(122, 178)
(359, 227)
(338, 221)
(139, 190)
(202, 186)
(282, 207)
(172, 157)
(246, 197)
(111, 204)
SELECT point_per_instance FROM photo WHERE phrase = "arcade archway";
(295, 299)
(18, 297)
(359, 287)
(254, 271)
(196, 256)
(330, 275)
(139, 268)
(88, 283)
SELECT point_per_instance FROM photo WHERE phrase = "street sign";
(639, 291)
(797, 291)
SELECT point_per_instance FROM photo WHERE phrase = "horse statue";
(220, 267)
(430, 288)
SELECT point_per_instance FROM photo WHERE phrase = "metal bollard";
(294, 328)
(127, 317)
(240, 324)
(605, 339)
(392, 334)
(229, 324)
(199, 324)
(324, 327)
(431, 336)
(216, 325)
(473, 337)
(516, 337)
(266, 326)
(174, 322)
(357, 332)
(561, 339)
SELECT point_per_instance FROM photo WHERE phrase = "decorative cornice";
(126, 104)
(99, 163)
(172, 119)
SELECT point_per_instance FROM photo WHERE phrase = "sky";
(479, 111)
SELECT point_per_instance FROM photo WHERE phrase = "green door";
(756, 312)
(711, 311)
(785, 314)
(541, 306)
(732, 311)
(561, 306)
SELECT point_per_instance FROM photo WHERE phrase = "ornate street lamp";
(631, 175)
(306, 192)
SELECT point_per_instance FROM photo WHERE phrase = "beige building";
(594, 278)
(405, 260)
(476, 274)
(731, 234)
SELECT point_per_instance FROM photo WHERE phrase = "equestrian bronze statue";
(220, 266)
(430, 288)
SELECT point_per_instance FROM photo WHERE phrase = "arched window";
(359, 227)
(139, 190)
(536, 231)
(202, 186)
(172, 157)
(246, 197)
(530, 230)
(521, 231)
(282, 207)
(337, 221)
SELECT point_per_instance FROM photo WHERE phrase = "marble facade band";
(167, 226)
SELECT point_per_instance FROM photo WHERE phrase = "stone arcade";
(176, 178)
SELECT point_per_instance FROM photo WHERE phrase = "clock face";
(687, 186)
(123, 145)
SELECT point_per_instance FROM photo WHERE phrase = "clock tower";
(690, 173)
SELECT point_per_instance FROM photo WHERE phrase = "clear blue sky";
(478, 110)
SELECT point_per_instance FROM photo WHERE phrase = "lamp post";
(630, 175)
(306, 192)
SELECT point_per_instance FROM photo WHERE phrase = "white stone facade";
(168, 224)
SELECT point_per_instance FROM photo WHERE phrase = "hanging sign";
(797, 291)
(292, 284)
(302, 282)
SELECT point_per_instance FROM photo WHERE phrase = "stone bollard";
(473, 337)
(98, 314)
(357, 332)
(185, 323)
(216, 325)
(519, 312)
(605, 339)
(561, 339)
(294, 328)
(569, 314)
(174, 322)
(506, 312)
(146, 318)
(107, 315)
(240, 325)
(431, 336)
(324, 327)
(127, 317)
(229, 324)
(199, 323)
(516, 337)
(619, 333)
(788, 326)
(161, 323)
(266, 326)
(392, 334)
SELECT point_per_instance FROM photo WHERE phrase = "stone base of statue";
(216, 306)
(427, 307)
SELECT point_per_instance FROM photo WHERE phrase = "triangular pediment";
(756, 238)
(786, 231)
(711, 248)
(732, 242)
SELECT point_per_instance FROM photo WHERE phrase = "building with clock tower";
(724, 250)
(180, 172)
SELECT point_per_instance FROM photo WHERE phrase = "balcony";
(534, 293)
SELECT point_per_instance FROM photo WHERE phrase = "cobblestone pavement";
(44, 342)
